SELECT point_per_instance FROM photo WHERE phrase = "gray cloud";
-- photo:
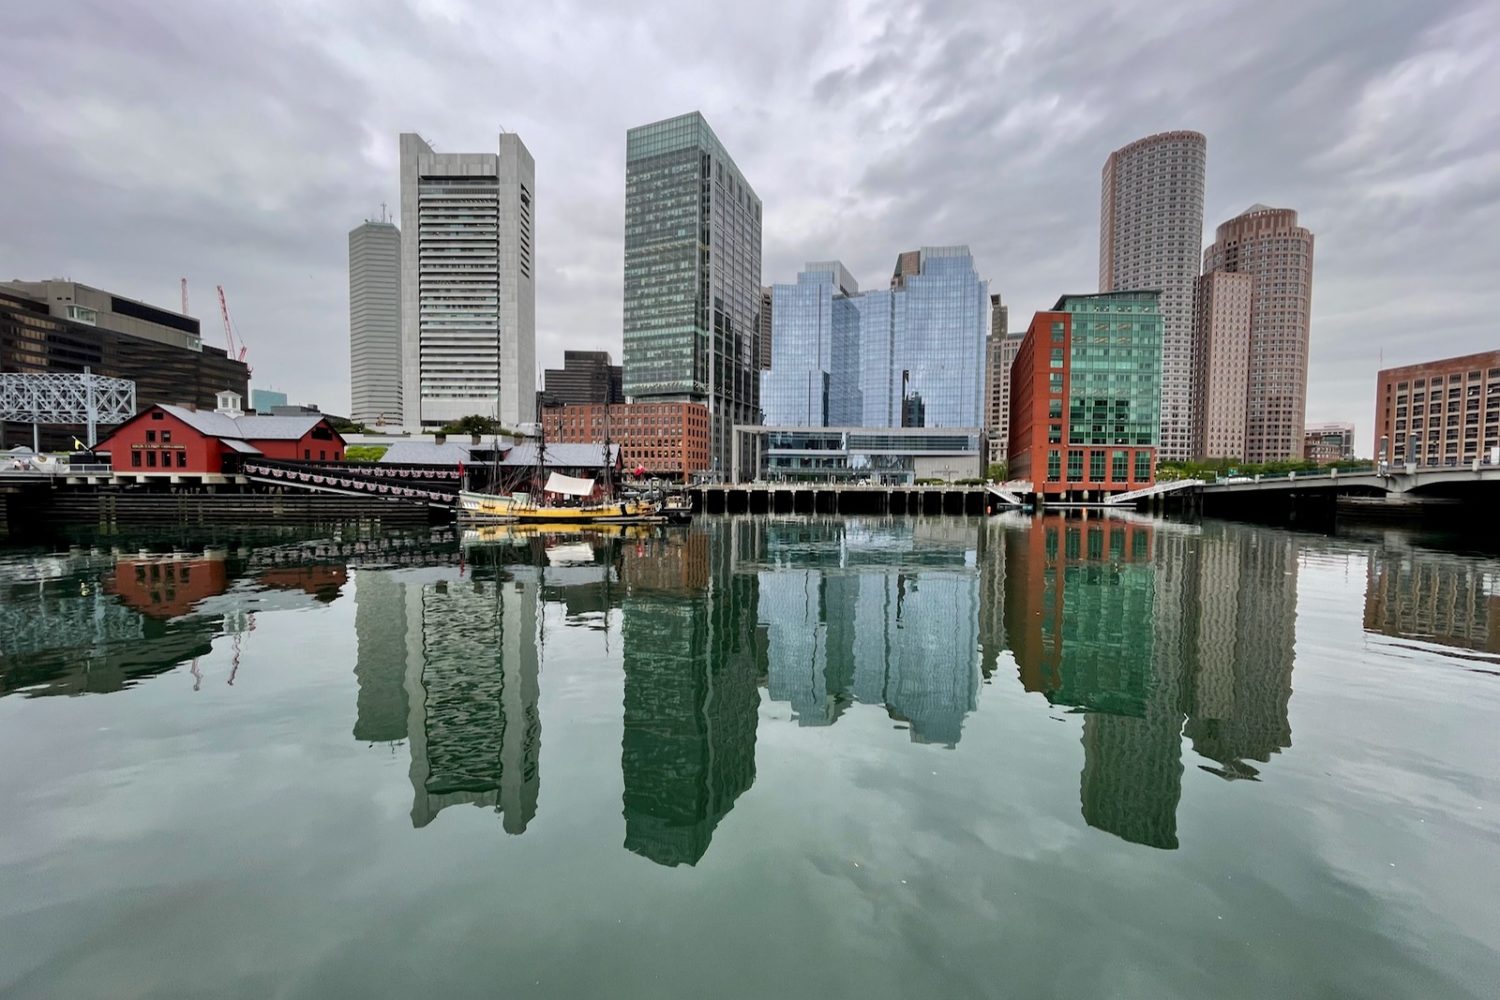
(238, 143)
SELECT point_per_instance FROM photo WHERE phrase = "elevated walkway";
(1157, 489)
(1010, 492)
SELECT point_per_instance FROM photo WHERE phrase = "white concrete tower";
(375, 323)
(468, 301)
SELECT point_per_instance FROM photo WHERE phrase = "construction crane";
(236, 348)
(184, 297)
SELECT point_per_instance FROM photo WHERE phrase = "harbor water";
(1084, 756)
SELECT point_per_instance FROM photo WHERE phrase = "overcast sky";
(237, 143)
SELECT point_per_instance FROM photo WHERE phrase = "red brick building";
(663, 439)
(175, 440)
(1439, 412)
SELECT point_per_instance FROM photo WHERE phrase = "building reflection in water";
(1432, 596)
(880, 612)
(693, 659)
(450, 663)
(1155, 630)
(96, 621)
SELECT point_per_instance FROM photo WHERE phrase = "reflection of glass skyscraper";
(692, 662)
(468, 657)
(885, 615)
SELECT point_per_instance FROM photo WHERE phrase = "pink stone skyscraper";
(1267, 244)
(1221, 363)
(1150, 237)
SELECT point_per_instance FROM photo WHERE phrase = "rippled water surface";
(753, 757)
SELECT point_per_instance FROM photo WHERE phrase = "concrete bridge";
(1391, 479)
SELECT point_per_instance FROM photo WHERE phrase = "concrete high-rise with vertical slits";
(468, 298)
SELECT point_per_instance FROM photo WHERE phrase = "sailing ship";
(575, 506)
(524, 508)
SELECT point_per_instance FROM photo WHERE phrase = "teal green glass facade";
(1114, 378)
(692, 276)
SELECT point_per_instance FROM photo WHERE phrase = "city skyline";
(1363, 138)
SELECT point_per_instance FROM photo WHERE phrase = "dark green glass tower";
(692, 277)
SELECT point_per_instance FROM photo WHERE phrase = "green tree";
(996, 472)
(474, 423)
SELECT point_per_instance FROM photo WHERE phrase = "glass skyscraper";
(692, 276)
(911, 355)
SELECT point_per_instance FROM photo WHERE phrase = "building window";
(182, 459)
(307, 454)
(1075, 465)
(135, 459)
(151, 437)
(1119, 467)
(150, 459)
(322, 455)
(166, 436)
(1096, 466)
(1054, 466)
(1142, 466)
(158, 415)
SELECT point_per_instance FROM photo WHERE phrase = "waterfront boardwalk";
(845, 498)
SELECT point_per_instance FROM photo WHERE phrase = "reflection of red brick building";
(1085, 396)
(168, 440)
(322, 582)
(166, 587)
(665, 439)
(1078, 594)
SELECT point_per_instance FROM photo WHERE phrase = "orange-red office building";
(1085, 397)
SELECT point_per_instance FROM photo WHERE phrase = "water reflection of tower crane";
(236, 624)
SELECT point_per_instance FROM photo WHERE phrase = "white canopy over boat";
(569, 485)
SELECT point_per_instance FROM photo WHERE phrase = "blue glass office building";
(911, 355)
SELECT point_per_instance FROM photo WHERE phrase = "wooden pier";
(838, 498)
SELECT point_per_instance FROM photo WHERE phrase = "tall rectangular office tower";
(1150, 236)
(375, 323)
(692, 277)
(468, 299)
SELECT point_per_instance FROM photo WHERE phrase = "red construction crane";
(236, 349)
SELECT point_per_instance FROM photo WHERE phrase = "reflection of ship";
(493, 534)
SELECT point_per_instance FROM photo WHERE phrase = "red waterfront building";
(664, 439)
(1085, 397)
(178, 440)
